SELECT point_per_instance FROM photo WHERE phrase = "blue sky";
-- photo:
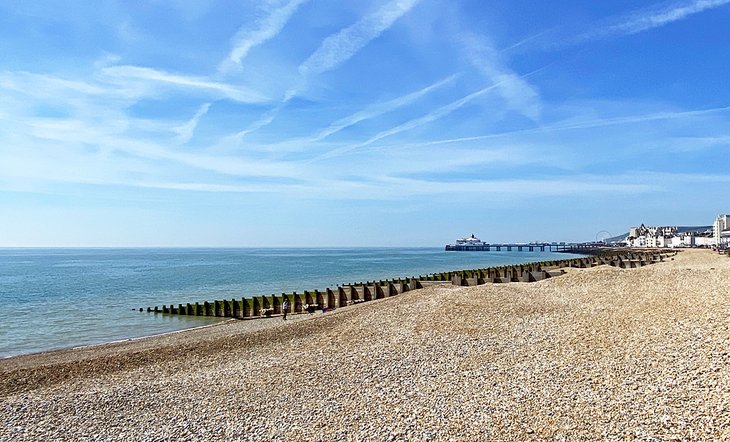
(350, 123)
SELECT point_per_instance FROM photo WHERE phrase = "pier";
(528, 247)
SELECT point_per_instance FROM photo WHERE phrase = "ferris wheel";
(602, 236)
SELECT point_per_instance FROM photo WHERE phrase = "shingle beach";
(597, 354)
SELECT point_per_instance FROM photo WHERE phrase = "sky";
(349, 123)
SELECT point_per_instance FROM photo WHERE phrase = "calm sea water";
(60, 298)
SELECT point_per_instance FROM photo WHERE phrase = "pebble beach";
(596, 354)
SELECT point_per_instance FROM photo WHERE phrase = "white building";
(683, 240)
(658, 240)
(670, 236)
(704, 241)
(721, 230)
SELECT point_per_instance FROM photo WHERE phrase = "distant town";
(716, 236)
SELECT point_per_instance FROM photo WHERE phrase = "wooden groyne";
(329, 299)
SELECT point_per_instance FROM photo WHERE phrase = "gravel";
(600, 353)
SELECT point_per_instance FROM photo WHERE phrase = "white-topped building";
(671, 236)
(721, 230)
(470, 241)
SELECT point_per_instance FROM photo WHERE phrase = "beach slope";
(600, 353)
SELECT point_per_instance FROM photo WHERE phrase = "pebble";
(598, 354)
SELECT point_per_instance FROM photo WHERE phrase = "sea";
(59, 298)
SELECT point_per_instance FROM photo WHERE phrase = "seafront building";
(721, 231)
(715, 236)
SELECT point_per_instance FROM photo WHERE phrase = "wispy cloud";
(519, 95)
(218, 188)
(264, 29)
(524, 187)
(632, 119)
(263, 121)
(647, 19)
(425, 119)
(378, 109)
(238, 166)
(590, 124)
(127, 73)
(370, 112)
(395, 188)
(685, 178)
(39, 85)
(87, 141)
(41, 165)
(185, 131)
(340, 47)
(422, 160)
(696, 144)
(336, 49)
(80, 168)
(416, 122)
(526, 40)
(633, 22)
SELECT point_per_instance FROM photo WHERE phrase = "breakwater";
(122, 280)
(332, 298)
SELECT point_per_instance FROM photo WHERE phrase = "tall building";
(722, 223)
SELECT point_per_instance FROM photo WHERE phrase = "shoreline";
(28, 359)
(598, 353)
(51, 352)
(112, 342)
(189, 337)
(60, 348)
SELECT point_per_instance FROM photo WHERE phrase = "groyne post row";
(547, 269)
(327, 299)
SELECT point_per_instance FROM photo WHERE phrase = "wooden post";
(218, 306)
(333, 298)
(343, 296)
(227, 308)
(247, 308)
(367, 293)
(298, 305)
(274, 304)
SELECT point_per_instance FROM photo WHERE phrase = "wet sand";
(600, 353)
